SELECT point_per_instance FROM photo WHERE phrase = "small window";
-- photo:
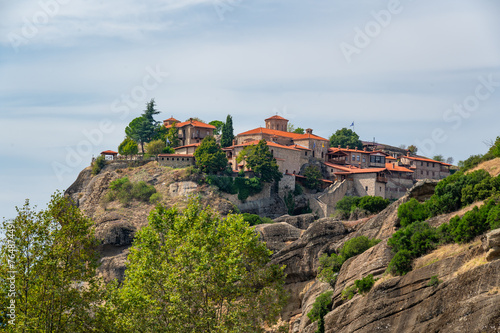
(177, 158)
(366, 188)
(183, 158)
(306, 153)
(162, 158)
(421, 163)
(353, 158)
(364, 159)
(358, 158)
(332, 170)
(380, 188)
(421, 172)
(168, 158)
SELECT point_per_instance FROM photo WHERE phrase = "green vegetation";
(362, 286)
(253, 219)
(227, 136)
(290, 203)
(142, 129)
(260, 160)
(173, 136)
(345, 137)
(416, 238)
(219, 125)
(349, 204)
(240, 185)
(155, 147)
(54, 253)
(329, 265)
(474, 160)
(434, 281)
(313, 176)
(99, 163)
(196, 272)
(125, 191)
(128, 147)
(209, 156)
(321, 306)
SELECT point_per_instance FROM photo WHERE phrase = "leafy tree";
(450, 160)
(313, 177)
(54, 254)
(128, 147)
(218, 126)
(299, 130)
(142, 129)
(209, 156)
(98, 165)
(227, 133)
(197, 272)
(168, 150)
(413, 149)
(412, 211)
(345, 137)
(290, 127)
(494, 218)
(260, 160)
(373, 204)
(321, 306)
(173, 136)
(347, 204)
(400, 263)
(439, 158)
(365, 284)
(155, 147)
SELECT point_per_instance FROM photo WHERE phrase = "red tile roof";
(172, 119)
(187, 146)
(109, 152)
(352, 169)
(293, 136)
(276, 117)
(425, 160)
(269, 143)
(395, 167)
(194, 123)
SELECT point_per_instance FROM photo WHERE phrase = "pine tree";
(227, 133)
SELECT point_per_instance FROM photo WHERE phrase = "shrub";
(373, 204)
(142, 191)
(321, 306)
(155, 198)
(313, 176)
(290, 203)
(347, 204)
(128, 147)
(298, 189)
(494, 217)
(356, 246)
(400, 263)
(434, 281)
(412, 211)
(155, 147)
(349, 292)
(365, 284)
(168, 150)
(247, 187)
(417, 238)
(124, 190)
(99, 163)
(254, 219)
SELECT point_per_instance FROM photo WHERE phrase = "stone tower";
(277, 123)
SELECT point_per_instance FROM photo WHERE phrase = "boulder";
(300, 221)
(278, 235)
(492, 245)
(301, 257)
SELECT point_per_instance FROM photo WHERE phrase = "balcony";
(381, 179)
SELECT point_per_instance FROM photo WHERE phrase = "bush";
(290, 203)
(142, 191)
(168, 150)
(494, 217)
(155, 147)
(155, 198)
(373, 204)
(412, 211)
(321, 306)
(99, 163)
(313, 176)
(347, 204)
(417, 238)
(329, 266)
(128, 147)
(348, 293)
(400, 263)
(434, 281)
(254, 219)
(247, 187)
(125, 191)
(298, 189)
(365, 284)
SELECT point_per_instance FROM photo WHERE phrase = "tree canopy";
(313, 177)
(260, 160)
(345, 137)
(209, 156)
(128, 147)
(219, 125)
(54, 253)
(197, 272)
(227, 133)
(143, 129)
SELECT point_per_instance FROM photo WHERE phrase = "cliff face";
(466, 299)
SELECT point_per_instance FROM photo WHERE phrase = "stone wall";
(176, 160)
(397, 186)
(366, 184)
(286, 184)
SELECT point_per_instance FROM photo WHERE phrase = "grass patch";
(471, 264)
(442, 252)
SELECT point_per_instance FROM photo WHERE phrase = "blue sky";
(73, 73)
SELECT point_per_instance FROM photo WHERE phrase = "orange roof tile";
(352, 169)
(392, 167)
(276, 117)
(109, 152)
(269, 143)
(187, 146)
(194, 123)
(425, 160)
(293, 136)
(172, 118)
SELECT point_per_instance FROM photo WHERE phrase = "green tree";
(155, 147)
(128, 147)
(321, 306)
(98, 165)
(345, 137)
(219, 125)
(142, 129)
(299, 130)
(227, 133)
(439, 158)
(197, 272)
(173, 136)
(260, 160)
(209, 156)
(313, 177)
(54, 254)
(413, 149)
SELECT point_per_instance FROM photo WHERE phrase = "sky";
(74, 73)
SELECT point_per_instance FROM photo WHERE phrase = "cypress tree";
(227, 133)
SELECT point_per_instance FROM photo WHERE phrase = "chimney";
(408, 153)
(347, 146)
(309, 131)
(339, 146)
(364, 148)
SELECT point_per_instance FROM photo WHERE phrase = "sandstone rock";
(309, 298)
(113, 264)
(117, 233)
(492, 245)
(300, 221)
(278, 235)
(423, 189)
(301, 257)
(182, 188)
